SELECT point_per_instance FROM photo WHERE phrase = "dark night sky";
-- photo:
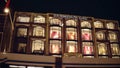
(106, 9)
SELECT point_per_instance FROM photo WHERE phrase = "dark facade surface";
(44, 40)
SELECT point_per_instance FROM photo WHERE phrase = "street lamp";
(8, 13)
(6, 10)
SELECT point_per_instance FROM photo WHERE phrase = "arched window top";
(71, 23)
(85, 24)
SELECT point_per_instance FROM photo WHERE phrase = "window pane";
(72, 47)
(39, 19)
(55, 32)
(85, 24)
(112, 36)
(23, 19)
(38, 31)
(110, 25)
(115, 49)
(37, 46)
(55, 46)
(102, 48)
(22, 32)
(100, 35)
(55, 21)
(98, 24)
(86, 34)
(87, 48)
(22, 47)
(71, 33)
(70, 23)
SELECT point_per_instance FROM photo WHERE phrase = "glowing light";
(6, 10)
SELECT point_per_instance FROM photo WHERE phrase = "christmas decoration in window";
(87, 48)
(86, 34)
(55, 46)
(72, 47)
(55, 32)
(71, 33)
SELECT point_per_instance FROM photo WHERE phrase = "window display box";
(71, 47)
(102, 48)
(21, 47)
(55, 47)
(55, 32)
(23, 17)
(71, 22)
(100, 35)
(86, 24)
(98, 24)
(55, 21)
(38, 46)
(86, 34)
(112, 36)
(87, 48)
(71, 33)
(22, 32)
(115, 49)
(39, 18)
(38, 31)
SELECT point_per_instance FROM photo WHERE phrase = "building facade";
(43, 40)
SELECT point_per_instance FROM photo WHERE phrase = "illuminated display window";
(71, 34)
(115, 49)
(55, 47)
(37, 46)
(98, 24)
(100, 35)
(71, 23)
(112, 36)
(55, 32)
(55, 21)
(102, 48)
(86, 34)
(39, 19)
(71, 47)
(21, 32)
(22, 47)
(23, 19)
(110, 25)
(87, 48)
(85, 24)
(39, 31)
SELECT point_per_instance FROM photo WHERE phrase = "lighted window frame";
(38, 31)
(55, 32)
(55, 47)
(86, 34)
(71, 47)
(71, 33)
